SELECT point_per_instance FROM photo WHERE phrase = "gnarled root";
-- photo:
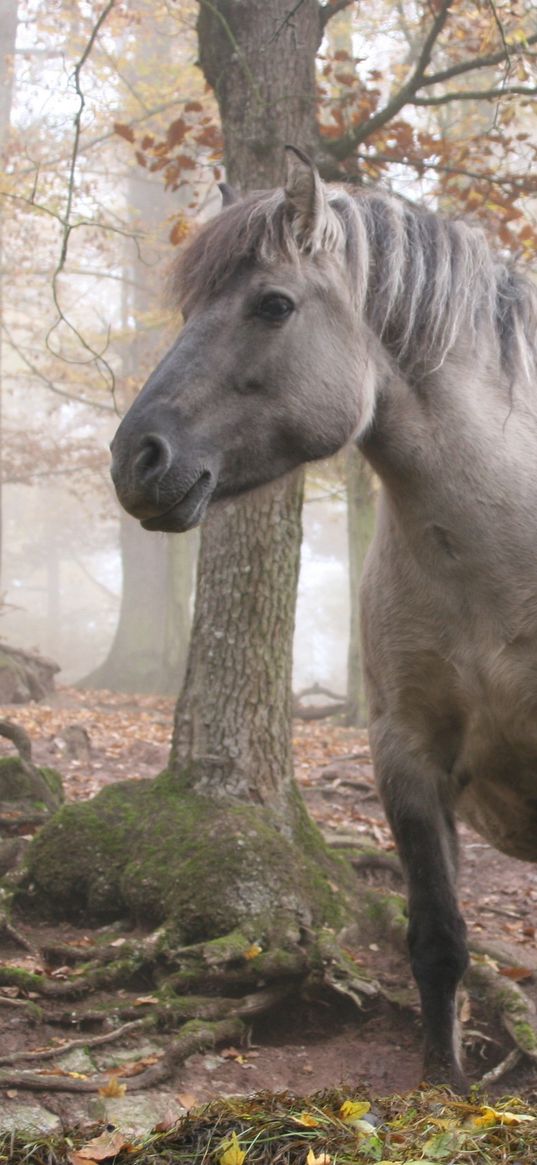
(514, 1008)
(255, 980)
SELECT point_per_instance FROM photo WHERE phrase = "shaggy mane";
(420, 279)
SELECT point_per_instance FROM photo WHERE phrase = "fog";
(62, 582)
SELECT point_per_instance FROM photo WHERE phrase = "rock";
(138, 1112)
(78, 1060)
(16, 1116)
(25, 675)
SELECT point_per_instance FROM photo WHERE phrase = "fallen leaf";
(518, 974)
(253, 951)
(102, 1147)
(232, 1153)
(187, 1099)
(113, 1088)
(319, 1159)
(353, 1110)
(134, 1067)
(306, 1121)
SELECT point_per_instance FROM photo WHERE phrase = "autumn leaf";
(518, 974)
(103, 1147)
(319, 1159)
(178, 234)
(253, 951)
(306, 1121)
(124, 131)
(232, 1154)
(493, 1116)
(113, 1088)
(353, 1110)
(176, 132)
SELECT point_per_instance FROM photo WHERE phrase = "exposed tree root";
(7, 928)
(514, 1008)
(511, 1061)
(83, 1042)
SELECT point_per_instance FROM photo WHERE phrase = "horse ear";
(229, 195)
(314, 222)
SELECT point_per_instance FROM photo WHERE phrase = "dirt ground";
(310, 1045)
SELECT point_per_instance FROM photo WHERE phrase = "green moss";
(156, 852)
(525, 1036)
(21, 781)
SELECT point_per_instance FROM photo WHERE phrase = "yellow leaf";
(232, 1152)
(321, 1159)
(492, 1116)
(113, 1088)
(253, 951)
(306, 1121)
(353, 1110)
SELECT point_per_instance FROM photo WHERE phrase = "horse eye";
(275, 308)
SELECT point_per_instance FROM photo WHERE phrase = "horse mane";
(421, 279)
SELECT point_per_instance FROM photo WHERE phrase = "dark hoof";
(447, 1076)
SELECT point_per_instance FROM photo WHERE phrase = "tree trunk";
(8, 35)
(233, 720)
(360, 524)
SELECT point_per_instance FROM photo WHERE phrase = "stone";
(138, 1112)
(18, 1116)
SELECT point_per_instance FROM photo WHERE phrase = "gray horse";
(315, 317)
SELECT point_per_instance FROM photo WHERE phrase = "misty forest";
(207, 888)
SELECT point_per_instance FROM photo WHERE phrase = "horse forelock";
(422, 280)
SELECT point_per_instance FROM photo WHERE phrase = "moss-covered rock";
(157, 852)
(22, 781)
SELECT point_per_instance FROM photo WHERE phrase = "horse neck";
(425, 281)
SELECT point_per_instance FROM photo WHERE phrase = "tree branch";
(477, 95)
(341, 147)
(330, 10)
(477, 63)
(510, 181)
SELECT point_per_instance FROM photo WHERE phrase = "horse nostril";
(154, 458)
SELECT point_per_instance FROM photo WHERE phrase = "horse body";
(315, 319)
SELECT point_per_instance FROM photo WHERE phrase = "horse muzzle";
(159, 487)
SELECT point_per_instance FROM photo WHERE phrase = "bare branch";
(329, 10)
(340, 147)
(47, 383)
(477, 95)
(97, 358)
(477, 63)
(513, 182)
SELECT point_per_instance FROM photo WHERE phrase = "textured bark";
(259, 58)
(233, 721)
(360, 522)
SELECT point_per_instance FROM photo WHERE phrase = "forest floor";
(309, 1046)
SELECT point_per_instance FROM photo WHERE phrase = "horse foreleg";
(425, 834)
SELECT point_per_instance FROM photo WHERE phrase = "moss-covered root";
(514, 1008)
(341, 973)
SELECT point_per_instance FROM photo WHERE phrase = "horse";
(314, 316)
